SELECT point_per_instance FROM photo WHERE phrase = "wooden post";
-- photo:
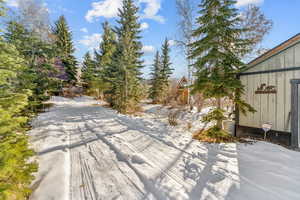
(295, 113)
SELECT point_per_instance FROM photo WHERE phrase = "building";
(271, 87)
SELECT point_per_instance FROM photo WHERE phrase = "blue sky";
(159, 21)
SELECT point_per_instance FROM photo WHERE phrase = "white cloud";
(172, 43)
(104, 8)
(12, 3)
(148, 49)
(109, 9)
(151, 10)
(144, 26)
(91, 41)
(84, 30)
(241, 3)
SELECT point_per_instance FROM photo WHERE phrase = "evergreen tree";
(107, 50)
(216, 52)
(39, 55)
(166, 70)
(15, 168)
(126, 88)
(65, 47)
(88, 69)
(155, 89)
(92, 78)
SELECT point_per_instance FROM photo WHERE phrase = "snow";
(89, 152)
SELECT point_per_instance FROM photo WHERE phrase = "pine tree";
(15, 168)
(126, 89)
(166, 70)
(106, 52)
(39, 55)
(155, 89)
(216, 52)
(91, 77)
(88, 69)
(65, 47)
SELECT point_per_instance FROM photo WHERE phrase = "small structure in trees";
(182, 91)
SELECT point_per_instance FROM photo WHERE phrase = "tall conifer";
(107, 50)
(38, 54)
(155, 89)
(65, 47)
(15, 167)
(166, 70)
(126, 92)
(216, 53)
(88, 69)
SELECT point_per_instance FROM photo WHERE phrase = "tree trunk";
(189, 84)
(219, 122)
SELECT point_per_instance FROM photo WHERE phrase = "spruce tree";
(88, 69)
(65, 47)
(166, 70)
(15, 167)
(39, 55)
(104, 57)
(216, 53)
(126, 90)
(155, 89)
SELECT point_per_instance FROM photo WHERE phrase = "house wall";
(273, 108)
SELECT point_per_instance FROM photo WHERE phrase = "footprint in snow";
(137, 159)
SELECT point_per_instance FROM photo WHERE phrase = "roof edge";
(285, 45)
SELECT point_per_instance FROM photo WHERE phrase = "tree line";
(30, 53)
(37, 60)
(115, 69)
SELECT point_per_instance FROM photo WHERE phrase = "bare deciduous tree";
(186, 10)
(34, 15)
(258, 26)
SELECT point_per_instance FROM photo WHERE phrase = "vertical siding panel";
(251, 96)
(289, 62)
(256, 104)
(272, 101)
(288, 77)
(297, 74)
(264, 101)
(280, 101)
(248, 89)
(297, 55)
(276, 102)
(242, 117)
(289, 58)
(297, 61)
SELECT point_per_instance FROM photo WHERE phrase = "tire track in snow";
(148, 184)
(93, 152)
(95, 155)
(88, 187)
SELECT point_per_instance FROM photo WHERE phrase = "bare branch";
(258, 26)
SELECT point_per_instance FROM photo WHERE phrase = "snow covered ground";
(89, 152)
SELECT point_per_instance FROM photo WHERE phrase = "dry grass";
(203, 137)
(173, 118)
(219, 137)
(189, 126)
